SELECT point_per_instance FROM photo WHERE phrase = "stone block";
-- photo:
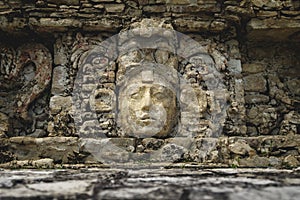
(264, 117)
(291, 12)
(294, 86)
(291, 161)
(102, 1)
(256, 98)
(4, 124)
(179, 2)
(235, 66)
(12, 26)
(171, 153)
(90, 11)
(251, 131)
(59, 103)
(60, 149)
(234, 50)
(272, 29)
(59, 80)
(193, 8)
(125, 143)
(218, 26)
(201, 149)
(253, 68)
(255, 83)
(241, 147)
(255, 161)
(108, 150)
(192, 25)
(99, 6)
(155, 9)
(266, 14)
(274, 4)
(143, 2)
(86, 5)
(52, 24)
(64, 2)
(247, 12)
(185, 142)
(103, 24)
(114, 8)
(152, 143)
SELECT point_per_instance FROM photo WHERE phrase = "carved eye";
(99, 61)
(135, 95)
(159, 95)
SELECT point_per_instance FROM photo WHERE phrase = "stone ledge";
(158, 184)
(273, 29)
(60, 149)
(263, 151)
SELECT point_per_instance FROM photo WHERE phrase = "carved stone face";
(147, 107)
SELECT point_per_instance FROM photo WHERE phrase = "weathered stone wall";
(254, 45)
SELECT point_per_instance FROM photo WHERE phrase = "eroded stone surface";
(253, 44)
(264, 151)
(25, 76)
(156, 183)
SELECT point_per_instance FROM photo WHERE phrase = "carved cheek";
(169, 103)
(133, 104)
(171, 108)
(160, 111)
(133, 107)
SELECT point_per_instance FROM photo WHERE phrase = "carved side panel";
(69, 52)
(25, 75)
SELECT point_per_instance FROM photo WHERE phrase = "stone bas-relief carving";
(105, 99)
(266, 59)
(70, 50)
(162, 46)
(147, 104)
(147, 70)
(152, 89)
(25, 74)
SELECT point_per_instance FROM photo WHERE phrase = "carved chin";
(147, 128)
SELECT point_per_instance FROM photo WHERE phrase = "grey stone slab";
(156, 183)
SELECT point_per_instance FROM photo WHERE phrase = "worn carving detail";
(147, 102)
(243, 54)
(7, 62)
(183, 111)
(142, 84)
(25, 74)
(31, 64)
(36, 63)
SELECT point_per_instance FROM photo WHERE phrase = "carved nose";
(146, 102)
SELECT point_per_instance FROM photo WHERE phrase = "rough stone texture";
(4, 124)
(184, 183)
(263, 151)
(282, 28)
(60, 149)
(25, 77)
(255, 83)
(254, 45)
